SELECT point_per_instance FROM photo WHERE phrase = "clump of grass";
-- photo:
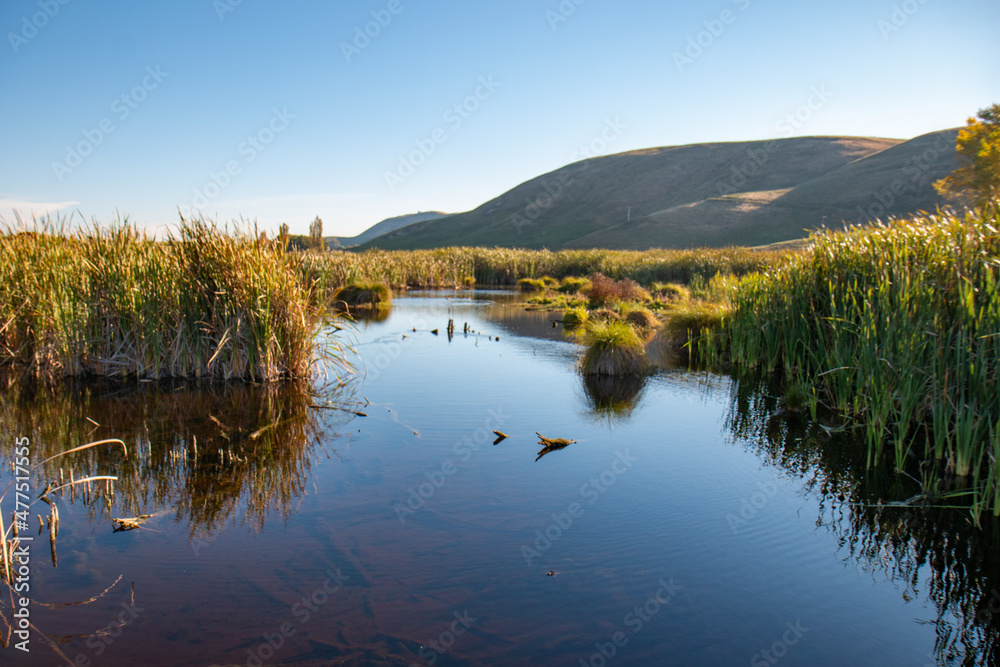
(367, 295)
(115, 302)
(605, 290)
(549, 282)
(605, 315)
(555, 301)
(574, 317)
(613, 348)
(642, 319)
(670, 292)
(531, 284)
(572, 284)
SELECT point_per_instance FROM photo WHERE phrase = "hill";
(719, 194)
(384, 227)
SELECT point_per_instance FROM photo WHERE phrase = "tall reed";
(501, 267)
(115, 302)
(898, 326)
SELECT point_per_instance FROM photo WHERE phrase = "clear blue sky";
(280, 111)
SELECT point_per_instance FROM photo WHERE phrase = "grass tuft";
(364, 295)
(613, 348)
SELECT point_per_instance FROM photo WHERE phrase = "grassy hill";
(738, 193)
(384, 227)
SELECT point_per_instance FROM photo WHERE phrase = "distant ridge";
(384, 227)
(712, 195)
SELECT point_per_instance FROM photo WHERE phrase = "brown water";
(692, 523)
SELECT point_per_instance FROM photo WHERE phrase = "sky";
(359, 110)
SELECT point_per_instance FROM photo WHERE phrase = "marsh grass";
(503, 267)
(364, 295)
(574, 317)
(642, 319)
(531, 284)
(896, 326)
(572, 285)
(112, 301)
(613, 348)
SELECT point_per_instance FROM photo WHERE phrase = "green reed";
(502, 267)
(116, 302)
(898, 327)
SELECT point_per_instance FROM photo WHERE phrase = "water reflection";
(613, 398)
(206, 452)
(932, 552)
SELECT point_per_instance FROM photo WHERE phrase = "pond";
(692, 521)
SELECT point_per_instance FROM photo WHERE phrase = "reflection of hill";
(210, 452)
(935, 552)
(515, 320)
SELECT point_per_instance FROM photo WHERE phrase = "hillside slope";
(741, 193)
(384, 227)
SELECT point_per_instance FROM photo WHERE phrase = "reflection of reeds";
(210, 453)
(115, 302)
(931, 551)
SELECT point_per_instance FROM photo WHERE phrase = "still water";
(692, 522)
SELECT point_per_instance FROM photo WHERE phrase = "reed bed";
(898, 327)
(504, 267)
(115, 302)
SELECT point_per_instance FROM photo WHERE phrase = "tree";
(977, 179)
(316, 233)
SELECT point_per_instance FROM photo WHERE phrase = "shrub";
(603, 290)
